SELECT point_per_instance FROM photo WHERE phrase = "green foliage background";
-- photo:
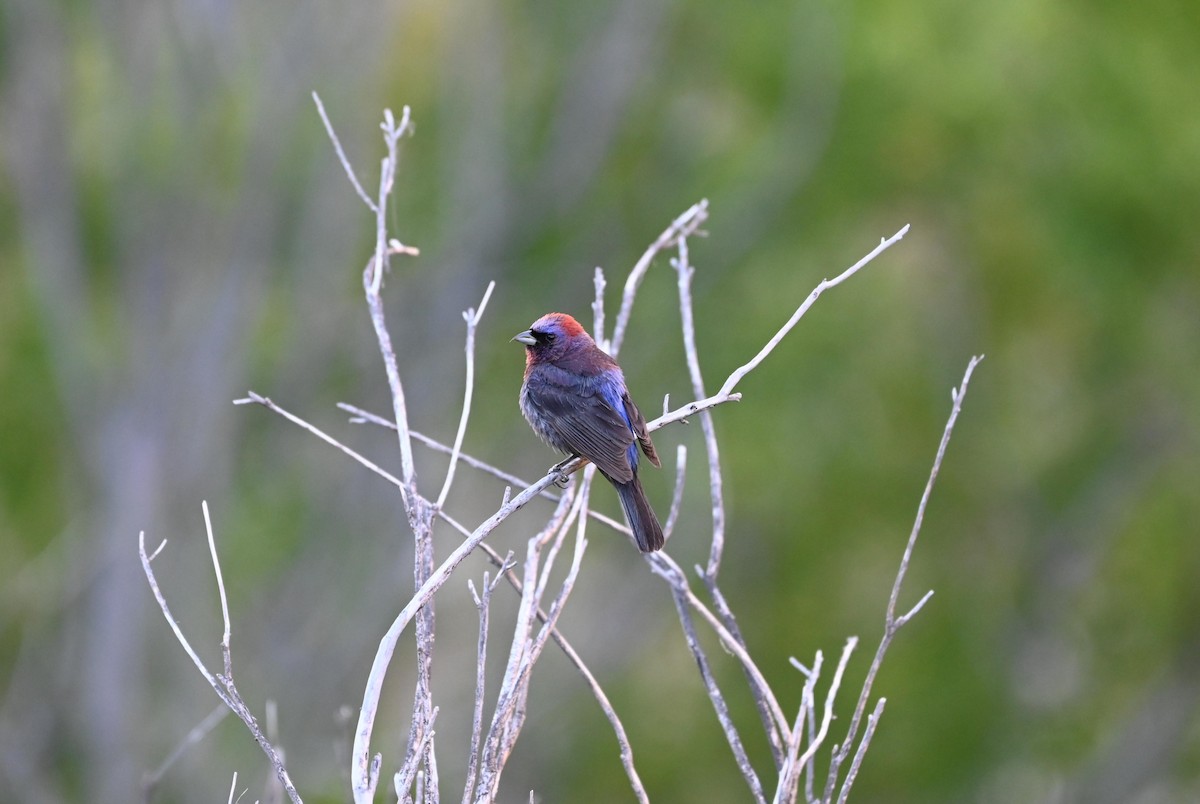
(174, 229)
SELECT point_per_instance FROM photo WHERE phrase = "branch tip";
(909, 614)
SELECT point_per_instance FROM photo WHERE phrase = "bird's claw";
(562, 477)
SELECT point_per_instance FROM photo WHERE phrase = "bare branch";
(789, 767)
(270, 405)
(195, 735)
(685, 271)
(901, 620)
(166, 610)
(892, 624)
(399, 406)
(472, 317)
(683, 226)
(387, 176)
(808, 703)
(774, 738)
(677, 497)
(360, 415)
(408, 773)
(223, 685)
(825, 285)
(759, 686)
(482, 603)
(487, 761)
(868, 733)
(598, 309)
(158, 550)
(666, 567)
(691, 408)
(715, 696)
(834, 685)
(957, 398)
(212, 550)
(341, 155)
(421, 734)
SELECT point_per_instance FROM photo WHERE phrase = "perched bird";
(574, 398)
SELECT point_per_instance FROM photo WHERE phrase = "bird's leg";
(564, 477)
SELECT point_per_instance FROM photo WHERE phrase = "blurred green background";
(175, 230)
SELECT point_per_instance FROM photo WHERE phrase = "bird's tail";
(642, 520)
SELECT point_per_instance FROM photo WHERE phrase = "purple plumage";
(575, 399)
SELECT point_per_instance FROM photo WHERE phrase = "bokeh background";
(175, 230)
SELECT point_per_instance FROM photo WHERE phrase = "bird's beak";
(525, 337)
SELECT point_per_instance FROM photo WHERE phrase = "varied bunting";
(575, 399)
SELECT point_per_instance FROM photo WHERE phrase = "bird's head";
(551, 337)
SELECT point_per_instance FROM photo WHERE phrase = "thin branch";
(789, 769)
(472, 317)
(482, 603)
(683, 226)
(686, 271)
(270, 405)
(399, 406)
(856, 763)
(904, 618)
(892, 624)
(677, 496)
(408, 773)
(417, 509)
(194, 736)
(226, 653)
(683, 412)
(834, 685)
(666, 567)
(361, 416)
(568, 583)
(341, 155)
(809, 704)
(957, 398)
(715, 696)
(774, 738)
(598, 309)
(825, 285)
(223, 685)
(387, 176)
(162, 604)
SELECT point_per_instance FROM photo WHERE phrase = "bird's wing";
(637, 423)
(590, 427)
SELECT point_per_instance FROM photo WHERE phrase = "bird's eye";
(549, 336)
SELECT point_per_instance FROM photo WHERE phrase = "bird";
(574, 397)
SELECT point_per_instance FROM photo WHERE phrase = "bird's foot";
(563, 477)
